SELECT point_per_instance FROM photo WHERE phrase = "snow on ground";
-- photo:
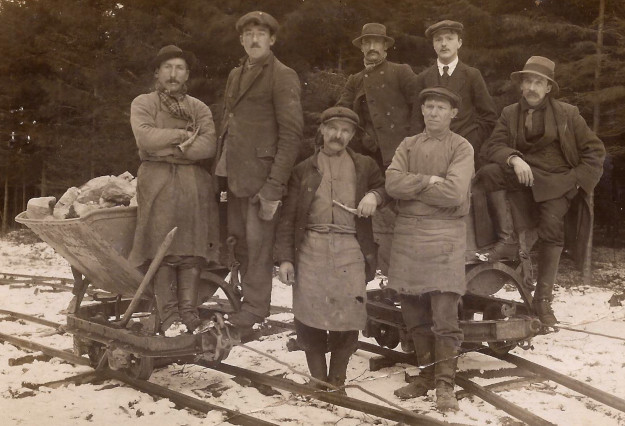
(595, 360)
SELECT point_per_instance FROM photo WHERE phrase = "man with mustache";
(260, 138)
(327, 251)
(174, 131)
(384, 95)
(543, 154)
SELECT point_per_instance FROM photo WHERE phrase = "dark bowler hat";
(259, 18)
(444, 25)
(340, 113)
(441, 92)
(171, 51)
(538, 65)
(373, 29)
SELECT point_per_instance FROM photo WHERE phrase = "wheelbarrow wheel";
(141, 367)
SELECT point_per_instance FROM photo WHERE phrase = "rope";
(591, 332)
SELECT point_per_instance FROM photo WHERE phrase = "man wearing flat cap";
(260, 138)
(476, 113)
(543, 154)
(431, 176)
(384, 95)
(325, 244)
(174, 131)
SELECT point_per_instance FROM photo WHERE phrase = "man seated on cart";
(174, 131)
(431, 176)
(325, 244)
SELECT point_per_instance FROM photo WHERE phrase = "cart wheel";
(493, 312)
(388, 336)
(141, 367)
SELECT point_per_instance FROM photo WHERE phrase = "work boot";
(317, 367)
(424, 351)
(446, 356)
(548, 261)
(507, 245)
(164, 284)
(188, 285)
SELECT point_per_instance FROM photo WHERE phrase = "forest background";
(70, 69)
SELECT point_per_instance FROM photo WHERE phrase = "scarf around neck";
(174, 102)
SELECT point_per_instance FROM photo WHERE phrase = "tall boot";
(424, 351)
(339, 360)
(446, 356)
(317, 366)
(188, 286)
(548, 261)
(507, 245)
(164, 283)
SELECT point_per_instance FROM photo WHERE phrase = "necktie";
(528, 120)
(445, 76)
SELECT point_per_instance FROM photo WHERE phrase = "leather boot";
(446, 356)
(317, 366)
(507, 245)
(188, 285)
(424, 351)
(548, 261)
(164, 283)
(339, 360)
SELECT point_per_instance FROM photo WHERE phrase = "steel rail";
(31, 318)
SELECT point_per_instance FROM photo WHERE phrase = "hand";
(287, 273)
(523, 171)
(367, 205)
(267, 208)
(435, 179)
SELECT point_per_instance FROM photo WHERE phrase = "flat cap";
(441, 92)
(444, 25)
(340, 113)
(259, 18)
(171, 51)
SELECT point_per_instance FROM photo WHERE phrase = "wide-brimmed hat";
(441, 92)
(259, 18)
(373, 29)
(171, 51)
(340, 113)
(444, 25)
(541, 66)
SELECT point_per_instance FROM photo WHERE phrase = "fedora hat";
(373, 29)
(172, 51)
(541, 66)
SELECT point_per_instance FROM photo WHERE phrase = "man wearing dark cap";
(431, 176)
(384, 95)
(260, 138)
(174, 131)
(325, 244)
(476, 114)
(543, 153)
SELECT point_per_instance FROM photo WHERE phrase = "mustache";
(173, 80)
(255, 44)
(373, 51)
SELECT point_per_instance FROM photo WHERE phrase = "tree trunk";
(5, 209)
(44, 180)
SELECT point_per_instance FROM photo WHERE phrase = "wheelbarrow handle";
(154, 265)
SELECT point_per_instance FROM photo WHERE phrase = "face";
(437, 114)
(173, 74)
(534, 88)
(257, 40)
(373, 47)
(446, 44)
(336, 135)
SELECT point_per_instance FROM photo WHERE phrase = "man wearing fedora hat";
(325, 244)
(431, 177)
(259, 141)
(174, 131)
(543, 153)
(384, 95)
(476, 114)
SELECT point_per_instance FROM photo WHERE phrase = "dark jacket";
(303, 185)
(263, 126)
(390, 92)
(582, 149)
(476, 115)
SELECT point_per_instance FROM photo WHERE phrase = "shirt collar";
(451, 65)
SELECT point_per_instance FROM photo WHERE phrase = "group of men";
(426, 134)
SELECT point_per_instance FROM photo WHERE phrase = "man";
(476, 116)
(260, 139)
(173, 132)
(542, 151)
(431, 177)
(326, 249)
(384, 95)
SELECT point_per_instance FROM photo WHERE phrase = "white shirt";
(451, 65)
